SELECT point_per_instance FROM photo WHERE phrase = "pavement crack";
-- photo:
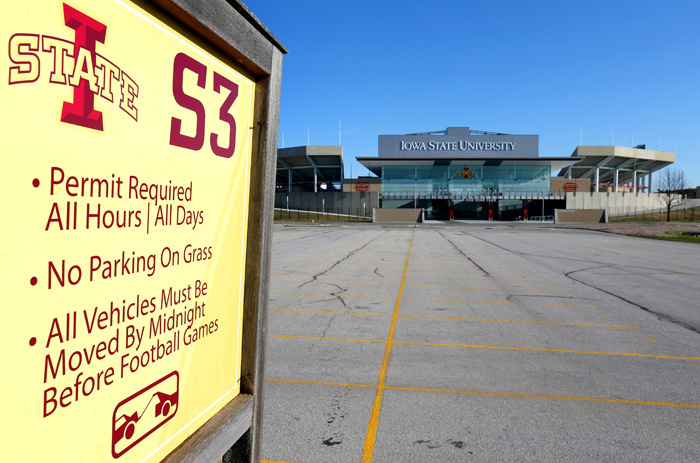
(340, 289)
(474, 309)
(571, 259)
(339, 297)
(328, 326)
(347, 308)
(659, 316)
(463, 254)
(338, 262)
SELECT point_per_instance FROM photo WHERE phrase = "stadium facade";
(468, 174)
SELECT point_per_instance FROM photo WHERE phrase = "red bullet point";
(36, 183)
(32, 342)
(33, 281)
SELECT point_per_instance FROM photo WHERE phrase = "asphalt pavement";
(481, 344)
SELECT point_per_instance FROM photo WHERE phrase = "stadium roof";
(628, 162)
(310, 165)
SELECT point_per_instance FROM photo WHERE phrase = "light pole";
(543, 206)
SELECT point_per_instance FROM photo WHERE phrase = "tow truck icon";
(158, 403)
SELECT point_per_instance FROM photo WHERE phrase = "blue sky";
(627, 71)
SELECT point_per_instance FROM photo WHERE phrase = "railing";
(470, 196)
(541, 218)
(359, 215)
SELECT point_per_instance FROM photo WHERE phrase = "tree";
(670, 187)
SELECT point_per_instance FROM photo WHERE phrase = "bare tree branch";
(670, 188)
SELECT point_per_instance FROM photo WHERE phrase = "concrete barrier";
(616, 203)
(580, 216)
(397, 215)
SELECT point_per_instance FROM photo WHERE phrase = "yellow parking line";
(476, 271)
(462, 266)
(539, 396)
(434, 300)
(313, 338)
(328, 312)
(536, 349)
(651, 339)
(452, 288)
(377, 261)
(456, 318)
(456, 288)
(494, 394)
(382, 251)
(483, 279)
(320, 383)
(453, 257)
(498, 302)
(659, 272)
(475, 346)
(370, 438)
(330, 295)
(519, 321)
(343, 266)
(330, 283)
(374, 275)
(419, 260)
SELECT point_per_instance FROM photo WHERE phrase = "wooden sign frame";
(229, 26)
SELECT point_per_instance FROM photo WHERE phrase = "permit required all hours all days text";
(66, 217)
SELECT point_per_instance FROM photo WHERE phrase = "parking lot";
(478, 343)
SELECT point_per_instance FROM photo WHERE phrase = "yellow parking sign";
(125, 178)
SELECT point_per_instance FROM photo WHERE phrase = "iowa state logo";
(466, 173)
(75, 63)
(570, 186)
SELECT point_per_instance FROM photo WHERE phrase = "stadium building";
(468, 174)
